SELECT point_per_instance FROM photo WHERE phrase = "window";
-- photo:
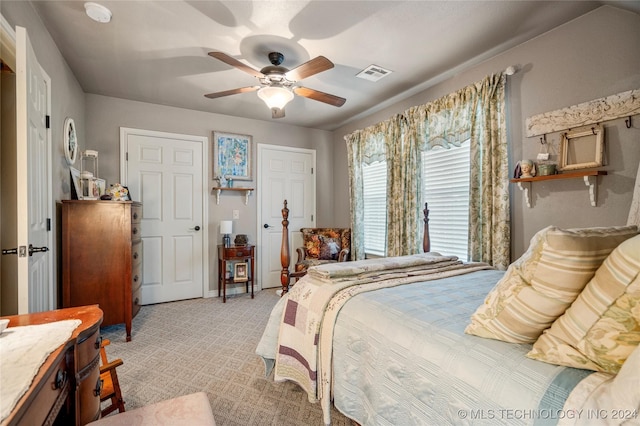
(446, 189)
(375, 207)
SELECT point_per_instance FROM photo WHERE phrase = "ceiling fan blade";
(317, 95)
(236, 63)
(309, 68)
(232, 92)
(277, 112)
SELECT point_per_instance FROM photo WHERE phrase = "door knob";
(267, 226)
(33, 249)
(197, 228)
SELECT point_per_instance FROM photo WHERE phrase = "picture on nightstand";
(240, 272)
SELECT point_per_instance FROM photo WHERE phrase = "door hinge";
(48, 224)
(47, 121)
(311, 218)
(312, 170)
(126, 156)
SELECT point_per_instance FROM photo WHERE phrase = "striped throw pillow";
(602, 327)
(540, 286)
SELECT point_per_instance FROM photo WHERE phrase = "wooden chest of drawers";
(101, 257)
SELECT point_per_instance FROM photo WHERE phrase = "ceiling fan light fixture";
(275, 96)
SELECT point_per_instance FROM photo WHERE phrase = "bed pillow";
(540, 286)
(617, 395)
(602, 327)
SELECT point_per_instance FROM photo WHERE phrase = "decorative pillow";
(540, 286)
(312, 245)
(329, 248)
(602, 327)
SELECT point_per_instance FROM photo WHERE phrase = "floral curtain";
(475, 112)
(489, 214)
(403, 174)
(363, 147)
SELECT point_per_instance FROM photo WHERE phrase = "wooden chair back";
(110, 390)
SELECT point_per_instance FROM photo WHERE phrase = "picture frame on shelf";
(101, 187)
(76, 189)
(582, 149)
(232, 156)
(240, 273)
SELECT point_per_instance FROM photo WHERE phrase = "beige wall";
(591, 57)
(105, 116)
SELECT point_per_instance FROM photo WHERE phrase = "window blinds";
(446, 189)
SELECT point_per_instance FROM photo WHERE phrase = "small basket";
(546, 169)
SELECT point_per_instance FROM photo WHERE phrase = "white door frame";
(22, 225)
(124, 131)
(260, 189)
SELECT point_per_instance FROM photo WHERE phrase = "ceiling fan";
(278, 84)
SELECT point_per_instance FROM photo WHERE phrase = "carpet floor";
(205, 345)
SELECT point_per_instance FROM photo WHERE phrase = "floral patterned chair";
(322, 245)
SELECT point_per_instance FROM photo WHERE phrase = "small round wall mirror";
(70, 141)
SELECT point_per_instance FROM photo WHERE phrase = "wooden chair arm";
(343, 255)
(111, 366)
(302, 254)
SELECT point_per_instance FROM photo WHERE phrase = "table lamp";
(226, 229)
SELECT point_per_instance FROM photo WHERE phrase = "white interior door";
(285, 174)
(165, 172)
(36, 292)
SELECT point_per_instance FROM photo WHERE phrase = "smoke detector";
(97, 12)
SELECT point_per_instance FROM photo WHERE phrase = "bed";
(391, 341)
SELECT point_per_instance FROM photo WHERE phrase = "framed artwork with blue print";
(232, 156)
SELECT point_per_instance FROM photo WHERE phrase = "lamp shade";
(226, 226)
(275, 96)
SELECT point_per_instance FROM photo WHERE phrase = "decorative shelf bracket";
(526, 188)
(590, 181)
(590, 178)
(247, 192)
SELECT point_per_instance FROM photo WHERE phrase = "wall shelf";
(589, 177)
(247, 192)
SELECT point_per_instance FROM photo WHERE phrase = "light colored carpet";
(204, 345)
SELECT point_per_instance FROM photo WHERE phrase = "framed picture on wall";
(232, 156)
(582, 149)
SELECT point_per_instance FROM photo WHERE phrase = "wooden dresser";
(101, 257)
(66, 389)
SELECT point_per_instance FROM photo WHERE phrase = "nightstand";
(235, 254)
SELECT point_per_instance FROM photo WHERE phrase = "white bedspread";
(22, 351)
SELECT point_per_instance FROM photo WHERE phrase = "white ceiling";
(156, 51)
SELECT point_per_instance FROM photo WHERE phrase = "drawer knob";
(135, 279)
(135, 231)
(98, 342)
(135, 215)
(136, 302)
(135, 255)
(61, 379)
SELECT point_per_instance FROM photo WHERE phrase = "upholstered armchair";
(322, 245)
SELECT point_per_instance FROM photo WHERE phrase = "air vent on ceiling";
(373, 73)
